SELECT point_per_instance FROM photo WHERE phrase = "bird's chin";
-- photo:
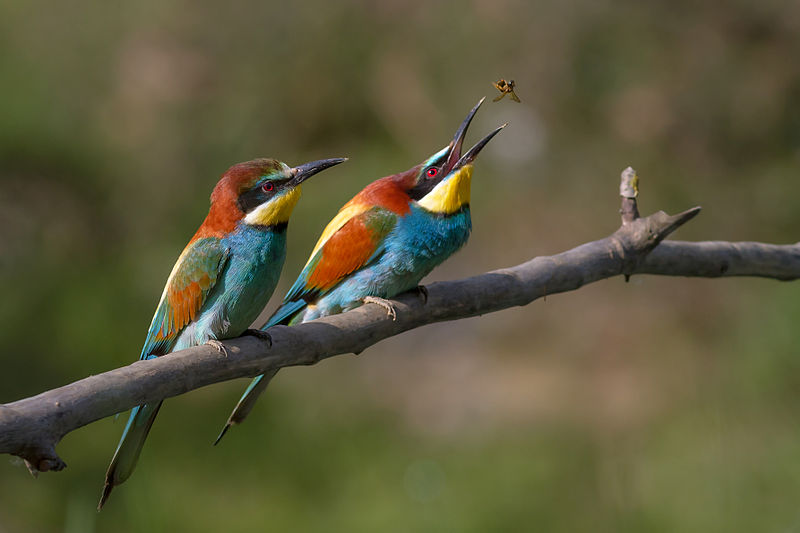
(276, 211)
(451, 194)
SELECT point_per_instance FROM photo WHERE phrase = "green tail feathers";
(283, 315)
(247, 401)
(129, 448)
(286, 313)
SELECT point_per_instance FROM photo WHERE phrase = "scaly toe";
(386, 304)
(219, 346)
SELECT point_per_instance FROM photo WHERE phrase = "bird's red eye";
(268, 186)
(431, 172)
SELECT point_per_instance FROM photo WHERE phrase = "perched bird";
(222, 280)
(382, 243)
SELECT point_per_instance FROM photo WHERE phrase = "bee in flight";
(505, 87)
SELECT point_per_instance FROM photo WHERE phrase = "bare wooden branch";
(629, 190)
(30, 428)
(713, 259)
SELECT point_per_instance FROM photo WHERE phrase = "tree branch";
(30, 428)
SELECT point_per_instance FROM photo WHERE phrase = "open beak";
(454, 158)
(470, 156)
(458, 139)
(302, 172)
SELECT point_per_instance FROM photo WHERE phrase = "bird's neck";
(222, 219)
(389, 192)
(224, 216)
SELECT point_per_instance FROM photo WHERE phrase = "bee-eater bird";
(381, 243)
(222, 279)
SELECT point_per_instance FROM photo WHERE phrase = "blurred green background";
(658, 405)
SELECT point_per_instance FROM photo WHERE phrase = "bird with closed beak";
(222, 279)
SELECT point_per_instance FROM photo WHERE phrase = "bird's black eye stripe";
(251, 199)
(426, 185)
(256, 196)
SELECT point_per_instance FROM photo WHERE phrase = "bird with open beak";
(382, 243)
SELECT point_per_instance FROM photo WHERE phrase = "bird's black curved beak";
(458, 139)
(455, 159)
(302, 172)
(470, 156)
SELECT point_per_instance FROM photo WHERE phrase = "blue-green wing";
(192, 278)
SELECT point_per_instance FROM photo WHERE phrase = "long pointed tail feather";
(129, 447)
(284, 315)
(247, 401)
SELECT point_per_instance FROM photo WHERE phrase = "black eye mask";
(256, 196)
(426, 184)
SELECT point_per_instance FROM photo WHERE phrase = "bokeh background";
(663, 404)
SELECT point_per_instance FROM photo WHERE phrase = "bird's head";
(442, 182)
(261, 192)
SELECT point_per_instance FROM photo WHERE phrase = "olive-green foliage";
(659, 405)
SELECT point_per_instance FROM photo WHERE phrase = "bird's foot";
(386, 304)
(259, 334)
(422, 292)
(218, 345)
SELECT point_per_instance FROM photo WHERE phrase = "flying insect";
(505, 87)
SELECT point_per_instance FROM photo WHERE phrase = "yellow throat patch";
(276, 211)
(451, 194)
